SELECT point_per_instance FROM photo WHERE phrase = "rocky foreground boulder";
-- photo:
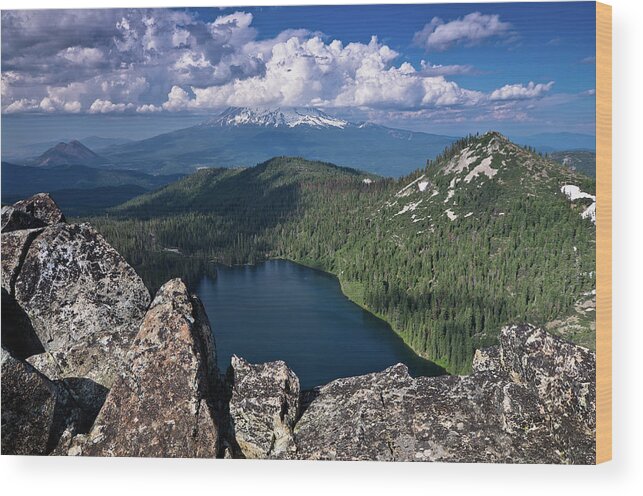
(38, 211)
(41, 207)
(71, 303)
(89, 369)
(526, 401)
(84, 301)
(263, 409)
(162, 403)
(28, 407)
(36, 411)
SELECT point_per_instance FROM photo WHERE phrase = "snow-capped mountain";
(291, 117)
(244, 137)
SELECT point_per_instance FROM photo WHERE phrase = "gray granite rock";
(563, 377)
(28, 408)
(84, 301)
(42, 207)
(15, 245)
(162, 403)
(264, 406)
(503, 412)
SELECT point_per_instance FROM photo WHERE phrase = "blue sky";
(449, 68)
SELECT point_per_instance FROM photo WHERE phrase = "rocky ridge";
(90, 367)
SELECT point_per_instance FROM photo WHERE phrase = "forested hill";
(488, 233)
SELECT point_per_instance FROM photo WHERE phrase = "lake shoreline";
(350, 297)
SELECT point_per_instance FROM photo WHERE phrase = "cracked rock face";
(13, 220)
(264, 406)
(161, 403)
(15, 245)
(36, 412)
(563, 377)
(84, 302)
(41, 207)
(28, 407)
(503, 412)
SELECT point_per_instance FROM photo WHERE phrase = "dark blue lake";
(279, 310)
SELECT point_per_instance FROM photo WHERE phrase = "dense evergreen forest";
(481, 237)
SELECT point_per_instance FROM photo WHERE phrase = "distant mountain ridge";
(581, 160)
(19, 152)
(72, 153)
(555, 142)
(244, 137)
(81, 189)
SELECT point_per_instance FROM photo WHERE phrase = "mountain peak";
(278, 117)
(72, 153)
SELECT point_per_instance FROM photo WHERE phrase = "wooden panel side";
(603, 232)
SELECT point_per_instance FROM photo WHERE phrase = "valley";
(483, 236)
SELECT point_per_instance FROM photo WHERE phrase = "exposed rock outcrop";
(263, 409)
(36, 412)
(71, 305)
(42, 207)
(13, 220)
(28, 408)
(162, 403)
(15, 245)
(505, 411)
(84, 302)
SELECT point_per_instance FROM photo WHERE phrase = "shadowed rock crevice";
(38, 415)
(18, 335)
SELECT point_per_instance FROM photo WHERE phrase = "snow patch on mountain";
(484, 167)
(406, 190)
(408, 208)
(460, 162)
(574, 193)
(590, 213)
(451, 190)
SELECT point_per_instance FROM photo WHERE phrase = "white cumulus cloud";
(82, 55)
(521, 91)
(162, 60)
(105, 106)
(311, 72)
(472, 29)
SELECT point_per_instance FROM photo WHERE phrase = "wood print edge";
(604, 232)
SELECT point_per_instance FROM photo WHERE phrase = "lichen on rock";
(162, 404)
(84, 301)
(263, 409)
(527, 401)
